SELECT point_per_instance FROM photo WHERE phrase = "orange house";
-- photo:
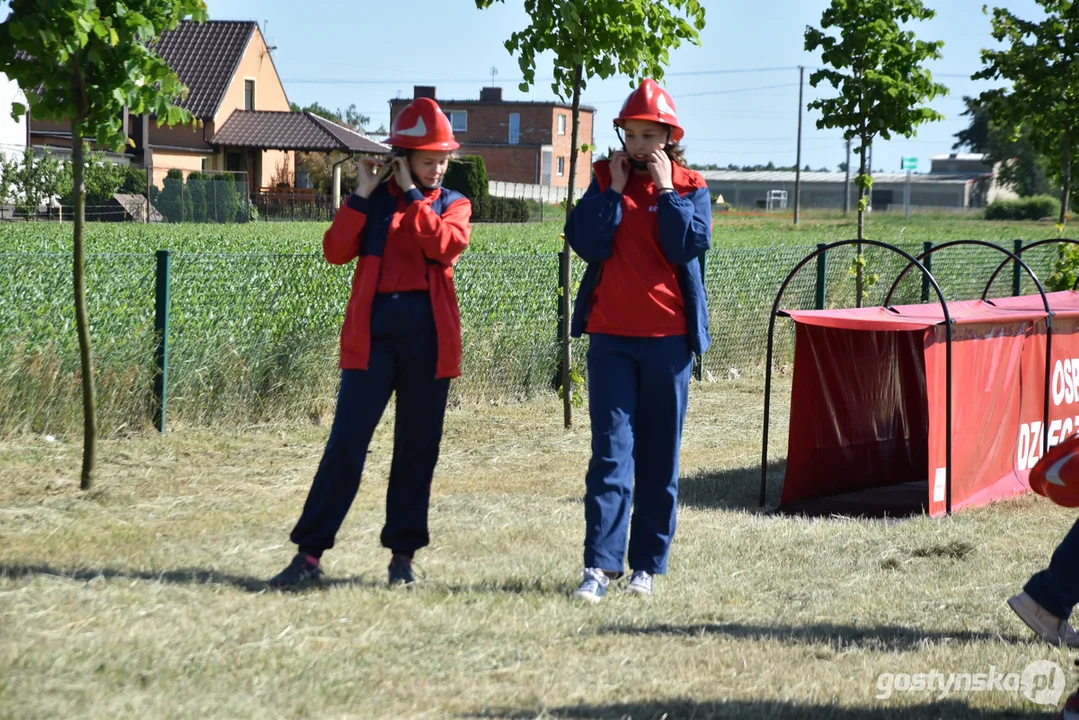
(243, 119)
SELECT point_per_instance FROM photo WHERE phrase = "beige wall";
(165, 161)
(271, 159)
(184, 136)
(257, 65)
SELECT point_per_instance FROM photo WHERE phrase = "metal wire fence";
(253, 337)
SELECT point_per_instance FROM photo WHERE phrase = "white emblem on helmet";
(664, 106)
(417, 130)
(1053, 473)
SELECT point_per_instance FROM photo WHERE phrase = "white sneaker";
(640, 583)
(593, 587)
(1048, 626)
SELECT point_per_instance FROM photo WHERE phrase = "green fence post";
(161, 335)
(822, 277)
(1017, 277)
(927, 246)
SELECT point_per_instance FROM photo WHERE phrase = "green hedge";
(1034, 207)
(468, 176)
(498, 209)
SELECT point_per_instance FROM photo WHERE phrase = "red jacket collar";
(685, 180)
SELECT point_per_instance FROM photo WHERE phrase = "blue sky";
(737, 94)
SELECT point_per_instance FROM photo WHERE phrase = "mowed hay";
(144, 597)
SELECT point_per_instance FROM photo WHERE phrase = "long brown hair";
(676, 153)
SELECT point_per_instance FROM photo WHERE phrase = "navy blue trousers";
(404, 354)
(638, 390)
(1057, 587)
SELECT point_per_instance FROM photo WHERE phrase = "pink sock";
(312, 560)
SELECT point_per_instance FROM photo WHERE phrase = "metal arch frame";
(1039, 243)
(948, 357)
(1012, 257)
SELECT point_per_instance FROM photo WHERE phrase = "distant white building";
(13, 134)
(953, 181)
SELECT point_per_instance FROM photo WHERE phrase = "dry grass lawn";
(143, 598)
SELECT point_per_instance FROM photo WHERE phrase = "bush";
(498, 209)
(468, 176)
(226, 198)
(170, 201)
(134, 180)
(200, 191)
(1034, 207)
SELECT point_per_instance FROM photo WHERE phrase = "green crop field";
(255, 310)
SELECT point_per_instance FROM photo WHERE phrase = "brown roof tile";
(205, 57)
(278, 130)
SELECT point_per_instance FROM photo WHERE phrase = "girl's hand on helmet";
(369, 173)
(659, 164)
(402, 173)
(620, 169)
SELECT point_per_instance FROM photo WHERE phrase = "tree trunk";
(82, 322)
(1067, 156)
(859, 276)
(567, 257)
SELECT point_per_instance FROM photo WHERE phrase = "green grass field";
(255, 310)
(143, 598)
(731, 230)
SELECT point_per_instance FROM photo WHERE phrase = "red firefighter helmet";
(651, 102)
(1056, 475)
(423, 126)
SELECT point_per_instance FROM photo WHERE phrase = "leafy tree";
(89, 60)
(596, 38)
(1040, 61)
(350, 117)
(878, 70)
(37, 179)
(1020, 165)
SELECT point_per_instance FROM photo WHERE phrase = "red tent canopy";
(868, 429)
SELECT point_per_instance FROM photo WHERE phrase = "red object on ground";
(867, 420)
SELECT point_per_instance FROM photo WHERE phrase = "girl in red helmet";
(643, 227)
(401, 336)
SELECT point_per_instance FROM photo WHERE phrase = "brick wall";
(487, 134)
(507, 163)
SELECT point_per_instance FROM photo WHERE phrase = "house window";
(249, 94)
(515, 128)
(561, 124)
(458, 120)
(561, 166)
(207, 164)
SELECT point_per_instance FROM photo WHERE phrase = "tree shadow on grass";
(677, 708)
(178, 576)
(883, 638)
(197, 576)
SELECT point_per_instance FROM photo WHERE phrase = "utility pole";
(846, 185)
(798, 162)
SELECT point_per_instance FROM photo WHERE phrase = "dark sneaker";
(299, 574)
(401, 571)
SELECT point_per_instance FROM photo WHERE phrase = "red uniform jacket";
(437, 221)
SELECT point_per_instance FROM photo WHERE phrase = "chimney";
(491, 94)
(423, 91)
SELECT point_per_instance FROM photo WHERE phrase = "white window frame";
(515, 132)
(254, 93)
(560, 165)
(561, 124)
(463, 114)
